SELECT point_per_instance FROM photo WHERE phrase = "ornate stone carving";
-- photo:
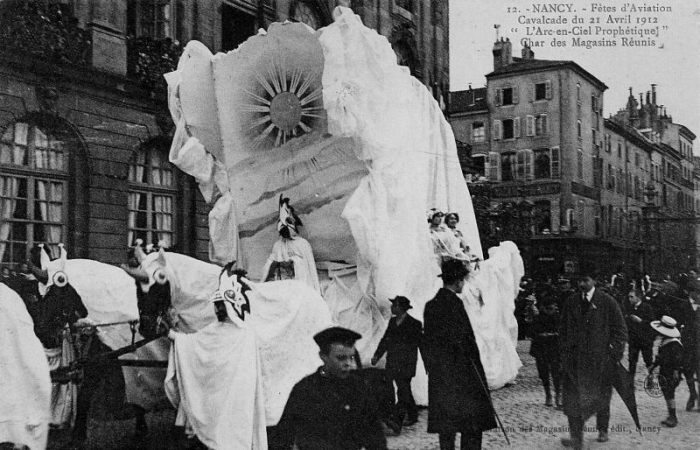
(47, 97)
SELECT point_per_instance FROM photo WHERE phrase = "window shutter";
(497, 130)
(530, 125)
(529, 166)
(548, 90)
(516, 127)
(499, 97)
(516, 94)
(544, 124)
(494, 163)
(555, 165)
(533, 92)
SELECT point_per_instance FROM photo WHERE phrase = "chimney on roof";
(502, 54)
(653, 94)
(648, 98)
(641, 99)
(527, 52)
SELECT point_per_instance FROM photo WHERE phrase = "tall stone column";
(108, 27)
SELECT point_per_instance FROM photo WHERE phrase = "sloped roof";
(468, 101)
(532, 65)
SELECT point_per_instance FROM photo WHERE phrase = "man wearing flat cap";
(458, 396)
(401, 342)
(331, 408)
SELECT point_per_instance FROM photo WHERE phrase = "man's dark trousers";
(405, 402)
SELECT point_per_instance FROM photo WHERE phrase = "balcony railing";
(47, 31)
(43, 30)
(149, 59)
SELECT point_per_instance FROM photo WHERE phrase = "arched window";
(34, 187)
(152, 196)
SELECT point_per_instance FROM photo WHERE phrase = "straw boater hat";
(666, 326)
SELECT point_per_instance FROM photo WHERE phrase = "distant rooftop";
(471, 100)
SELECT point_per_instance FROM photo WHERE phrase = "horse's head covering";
(55, 269)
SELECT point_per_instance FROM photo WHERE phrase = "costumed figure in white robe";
(291, 257)
(63, 395)
(25, 389)
(215, 377)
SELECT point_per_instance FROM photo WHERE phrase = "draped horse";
(196, 299)
(90, 308)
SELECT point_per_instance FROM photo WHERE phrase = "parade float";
(328, 119)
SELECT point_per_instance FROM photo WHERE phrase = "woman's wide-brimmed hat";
(666, 326)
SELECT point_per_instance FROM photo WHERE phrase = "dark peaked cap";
(336, 335)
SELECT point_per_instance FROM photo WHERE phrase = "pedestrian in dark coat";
(545, 348)
(670, 361)
(458, 396)
(401, 342)
(592, 339)
(332, 408)
(638, 316)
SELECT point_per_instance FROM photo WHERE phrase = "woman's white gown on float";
(489, 298)
(298, 250)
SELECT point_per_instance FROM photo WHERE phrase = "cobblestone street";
(529, 424)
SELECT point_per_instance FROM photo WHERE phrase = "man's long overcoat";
(458, 398)
(591, 343)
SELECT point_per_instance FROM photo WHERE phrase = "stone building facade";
(588, 186)
(85, 129)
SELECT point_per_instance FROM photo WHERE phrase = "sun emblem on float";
(282, 105)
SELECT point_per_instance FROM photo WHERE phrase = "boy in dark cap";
(332, 408)
(400, 342)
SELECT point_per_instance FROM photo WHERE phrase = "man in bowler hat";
(592, 339)
(331, 408)
(401, 342)
(458, 397)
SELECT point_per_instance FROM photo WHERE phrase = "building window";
(508, 129)
(494, 166)
(541, 125)
(507, 96)
(152, 194)
(608, 143)
(636, 159)
(620, 182)
(619, 149)
(478, 132)
(579, 164)
(405, 4)
(546, 163)
(33, 190)
(578, 129)
(594, 135)
(524, 165)
(155, 18)
(508, 166)
(556, 163)
(542, 164)
(543, 91)
(479, 165)
(611, 178)
(578, 93)
(542, 217)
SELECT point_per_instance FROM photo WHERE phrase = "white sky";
(675, 68)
